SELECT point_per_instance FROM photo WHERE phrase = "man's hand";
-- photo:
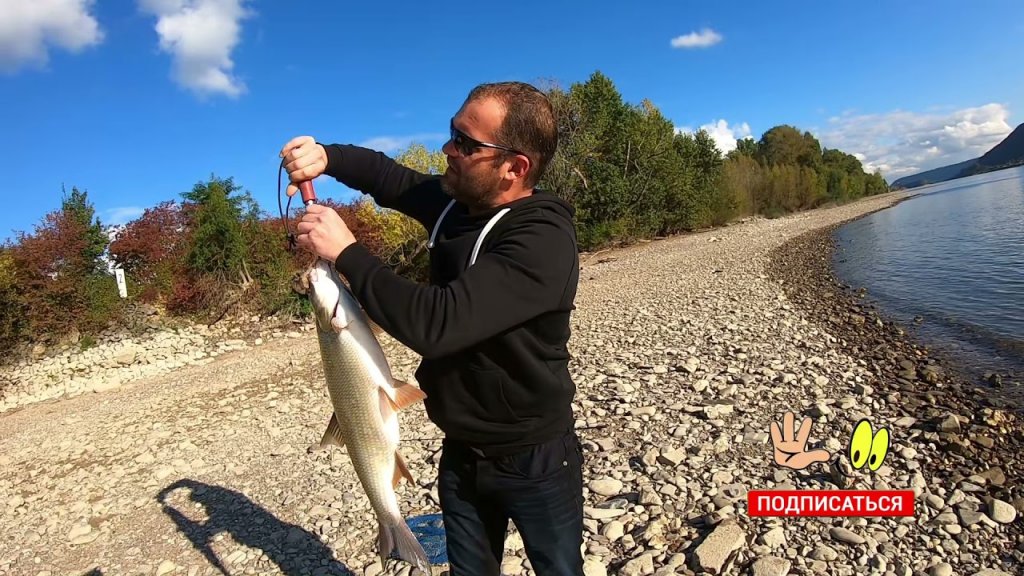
(789, 451)
(322, 231)
(304, 159)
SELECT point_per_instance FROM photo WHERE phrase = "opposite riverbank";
(685, 350)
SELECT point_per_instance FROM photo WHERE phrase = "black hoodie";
(493, 335)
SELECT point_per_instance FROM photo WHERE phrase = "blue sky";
(137, 100)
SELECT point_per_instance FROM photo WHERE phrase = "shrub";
(151, 249)
(12, 315)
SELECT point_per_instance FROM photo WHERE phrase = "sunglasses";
(467, 145)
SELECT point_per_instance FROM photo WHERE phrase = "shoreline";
(927, 385)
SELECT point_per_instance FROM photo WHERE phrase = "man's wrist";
(323, 153)
(343, 248)
(332, 156)
(352, 258)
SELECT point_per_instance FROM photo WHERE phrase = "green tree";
(875, 184)
(700, 201)
(269, 265)
(564, 175)
(742, 180)
(649, 168)
(744, 147)
(591, 171)
(12, 314)
(848, 163)
(844, 175)
(80, 210)
(417, 157)
(784, 145)
(401, 240)
(240, 201)
(217, 246)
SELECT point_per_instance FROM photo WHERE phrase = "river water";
(948, 265)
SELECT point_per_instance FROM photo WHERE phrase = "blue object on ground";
(429, 530)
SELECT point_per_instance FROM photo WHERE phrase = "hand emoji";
(789, 451)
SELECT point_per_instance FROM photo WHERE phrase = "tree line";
(629, 173)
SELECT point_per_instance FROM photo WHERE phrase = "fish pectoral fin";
(401, 471)
(403, 394)
(374, 327)
(332, 436)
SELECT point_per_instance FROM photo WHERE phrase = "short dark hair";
(529, 125)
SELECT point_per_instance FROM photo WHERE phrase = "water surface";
(948, 264)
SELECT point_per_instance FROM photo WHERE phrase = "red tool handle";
(308, 195)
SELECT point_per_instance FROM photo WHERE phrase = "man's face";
(475, 176)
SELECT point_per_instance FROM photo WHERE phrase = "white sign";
(122, 288)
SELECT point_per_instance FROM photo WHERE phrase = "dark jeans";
(540, 489)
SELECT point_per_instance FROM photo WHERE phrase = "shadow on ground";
(294, 550)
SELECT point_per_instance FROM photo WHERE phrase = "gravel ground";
(685, 350)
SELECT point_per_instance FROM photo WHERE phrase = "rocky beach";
(187, 452)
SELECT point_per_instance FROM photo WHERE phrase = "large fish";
(366, 399)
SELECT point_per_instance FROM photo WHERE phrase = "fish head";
(324, 289)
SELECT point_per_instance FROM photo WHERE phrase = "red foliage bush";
(55, 279)
(151, 250)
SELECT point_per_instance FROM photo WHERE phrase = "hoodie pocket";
(487, 395)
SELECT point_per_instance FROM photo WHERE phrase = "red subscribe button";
(830, 502)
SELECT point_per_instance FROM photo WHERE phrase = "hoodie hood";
(550, 202)
(539, 199)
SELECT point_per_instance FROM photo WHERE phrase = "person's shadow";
(295, 550)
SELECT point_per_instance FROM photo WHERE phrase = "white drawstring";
(437, 225)
(480, 238)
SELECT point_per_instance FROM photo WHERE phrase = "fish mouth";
(317, 274)
(301, 283)
(304, 282)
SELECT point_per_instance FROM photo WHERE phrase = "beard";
(475, 190)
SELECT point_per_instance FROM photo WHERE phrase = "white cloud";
(121, 215)
(200, 36)
(29, 28)
(389, 144)
(703, 39)
(725, 136)
(901, 143)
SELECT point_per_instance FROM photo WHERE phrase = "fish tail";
(398, 541)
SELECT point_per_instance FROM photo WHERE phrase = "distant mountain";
(935, 175)
(1006, 154)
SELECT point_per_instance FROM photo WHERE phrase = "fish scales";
(370, 443)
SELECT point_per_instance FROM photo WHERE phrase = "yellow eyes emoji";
(867, 447)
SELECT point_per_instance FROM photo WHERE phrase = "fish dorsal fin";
(332, 436)
(403, 394)
(401, 471)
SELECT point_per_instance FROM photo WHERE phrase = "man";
(492, 325)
